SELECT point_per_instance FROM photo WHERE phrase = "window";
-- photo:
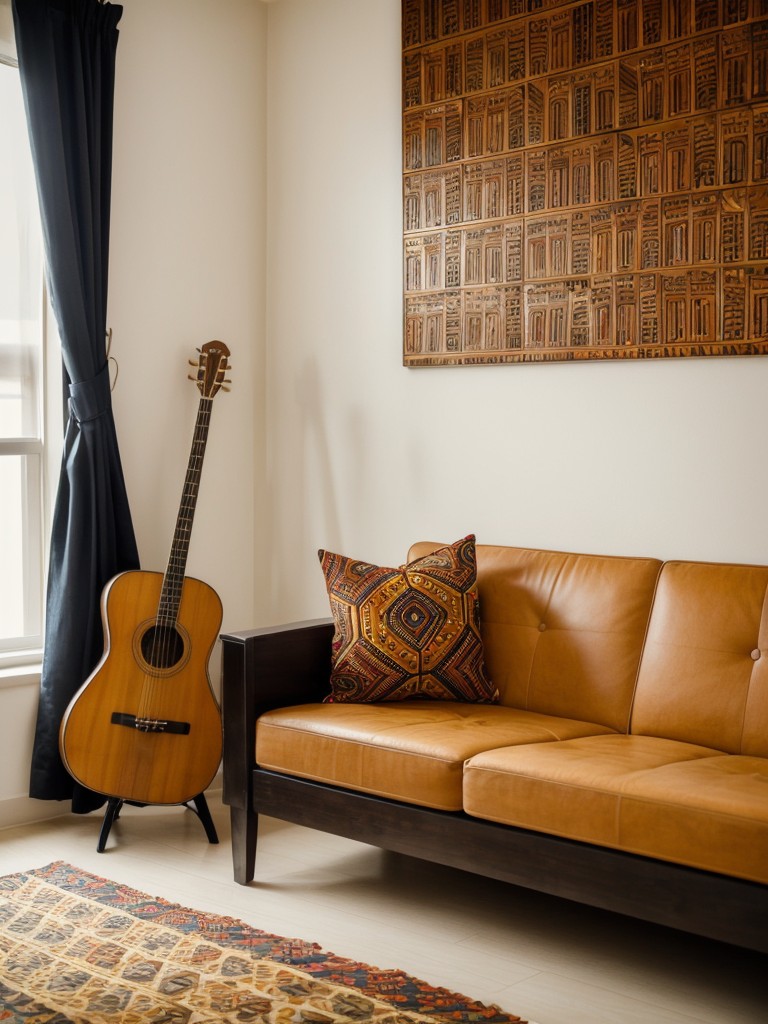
(22, 324)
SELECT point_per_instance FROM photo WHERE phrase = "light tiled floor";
(551, 961)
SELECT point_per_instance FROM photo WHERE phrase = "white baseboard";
(23, 810)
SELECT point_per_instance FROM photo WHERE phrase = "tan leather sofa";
(626, 765)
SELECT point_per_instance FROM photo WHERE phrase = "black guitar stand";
(198, 805)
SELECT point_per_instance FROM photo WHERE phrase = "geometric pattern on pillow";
(410, 632)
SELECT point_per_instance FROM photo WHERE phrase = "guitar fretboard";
(170, 595)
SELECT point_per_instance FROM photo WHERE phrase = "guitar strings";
(167, 646)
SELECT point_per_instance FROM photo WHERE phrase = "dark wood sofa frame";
(289, 665)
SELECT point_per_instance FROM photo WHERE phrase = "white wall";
(187, 266)
(663, 458)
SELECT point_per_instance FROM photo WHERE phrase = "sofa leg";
(244, 824)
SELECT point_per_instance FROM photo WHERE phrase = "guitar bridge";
(150, 724)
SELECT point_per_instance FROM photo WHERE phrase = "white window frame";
(42, 455)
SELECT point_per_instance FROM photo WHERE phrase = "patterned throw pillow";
(407, 633)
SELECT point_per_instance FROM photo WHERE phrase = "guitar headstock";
(211, 368)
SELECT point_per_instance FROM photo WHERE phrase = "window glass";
(21, 366)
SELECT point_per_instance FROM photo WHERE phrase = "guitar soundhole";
(162, 646)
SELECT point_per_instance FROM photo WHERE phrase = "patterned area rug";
(78, 949)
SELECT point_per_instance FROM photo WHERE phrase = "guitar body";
(145, 726)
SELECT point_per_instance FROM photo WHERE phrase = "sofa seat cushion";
(412, 751)
(647, 795)
(710, 813)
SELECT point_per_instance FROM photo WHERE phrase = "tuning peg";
(190, 377)
(192, 362)
(225, 389)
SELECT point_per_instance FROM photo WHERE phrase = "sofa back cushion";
(562, 633)
(704, 672)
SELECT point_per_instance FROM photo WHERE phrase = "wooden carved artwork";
(584, 180)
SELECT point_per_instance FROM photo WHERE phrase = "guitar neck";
(170, 595)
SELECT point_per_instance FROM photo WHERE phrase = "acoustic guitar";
(145, 726)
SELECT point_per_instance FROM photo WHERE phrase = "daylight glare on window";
(21, 346)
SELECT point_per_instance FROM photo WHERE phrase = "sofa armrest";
(263, 669)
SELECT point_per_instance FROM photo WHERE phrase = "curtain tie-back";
(90, 399)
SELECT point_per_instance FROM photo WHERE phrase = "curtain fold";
(66, 51)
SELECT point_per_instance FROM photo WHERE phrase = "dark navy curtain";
(66, 51)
